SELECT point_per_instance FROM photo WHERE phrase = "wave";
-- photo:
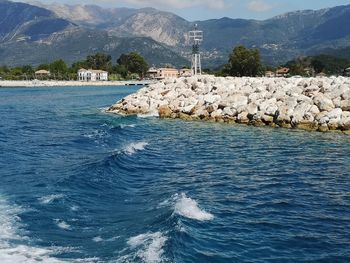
(10, 232)
(50, 198)
(62, 224)
(150, 246)
(100, 239)
(148, 115)
(124, 126)
(134, 147)
(189, 208)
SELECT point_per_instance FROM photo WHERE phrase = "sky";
(193, 10)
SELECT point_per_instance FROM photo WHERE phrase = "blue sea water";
(80, 185)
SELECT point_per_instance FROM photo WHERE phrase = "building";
(40, 74)
(92, 75)
(282, 72)
(152, 73)
(165, 73)
(269, 74)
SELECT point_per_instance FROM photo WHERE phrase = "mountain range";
(37, 33)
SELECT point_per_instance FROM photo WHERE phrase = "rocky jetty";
(318, 104)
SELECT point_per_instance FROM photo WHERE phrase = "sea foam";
(124, 126)
(50, 198)
(148, 115)
(189, 208)
(62, 224)
(11, 231)
(134, 147)
(150, 246)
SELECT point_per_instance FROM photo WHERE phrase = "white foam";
(123, 126)
(97, 239)
(149, 245)
(100, 239)
(10, 230)
(50, 198)
(148, 115)
(134, 147)
(189, 208)
(62, 224)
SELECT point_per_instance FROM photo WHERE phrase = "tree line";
(247, 62)
(127, 66)
(241, 62)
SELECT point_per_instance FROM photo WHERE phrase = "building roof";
(282, 71)
(168, 69)
(42, 71)
(92, 70)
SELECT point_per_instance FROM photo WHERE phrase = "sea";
(80, 185)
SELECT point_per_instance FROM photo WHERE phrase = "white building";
(92, 75)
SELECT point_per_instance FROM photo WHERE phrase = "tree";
(59, 69)
(99, 61)
(244, 62)
(134, 63)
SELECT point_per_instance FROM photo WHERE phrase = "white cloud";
(259, 6)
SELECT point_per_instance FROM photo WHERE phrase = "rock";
(165, 112)
(210, 99)
(323, 103)
(345, 105)
(308, 103)
(243, 118)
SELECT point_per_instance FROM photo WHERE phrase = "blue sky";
(208, 9)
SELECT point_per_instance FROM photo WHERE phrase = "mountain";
(163, 27)
(35, 35)
(280, 38)
(21, 21)
(75, 44)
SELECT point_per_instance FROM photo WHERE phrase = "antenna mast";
(196, 38)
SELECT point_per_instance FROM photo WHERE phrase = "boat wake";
(12, 244)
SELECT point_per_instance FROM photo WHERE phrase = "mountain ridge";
(279, 38)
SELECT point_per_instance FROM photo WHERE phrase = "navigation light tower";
(196, 38)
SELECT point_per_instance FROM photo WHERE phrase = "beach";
(73, 83)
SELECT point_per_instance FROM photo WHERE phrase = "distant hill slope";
(75, 44)
(280, 38)
(21, 21)
(34, 35)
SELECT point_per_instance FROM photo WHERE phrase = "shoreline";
(312, 104)
(54, 83)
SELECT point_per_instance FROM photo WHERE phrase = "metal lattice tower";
(196, 38)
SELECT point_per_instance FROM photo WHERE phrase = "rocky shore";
(316, 104)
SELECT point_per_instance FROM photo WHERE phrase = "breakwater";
(317, 104)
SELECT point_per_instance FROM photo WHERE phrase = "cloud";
(259, 6)
(177, 4)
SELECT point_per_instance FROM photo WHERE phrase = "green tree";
(318, 65)
(59, 69)
(133, 63)
(99, 61)
(244, 62)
